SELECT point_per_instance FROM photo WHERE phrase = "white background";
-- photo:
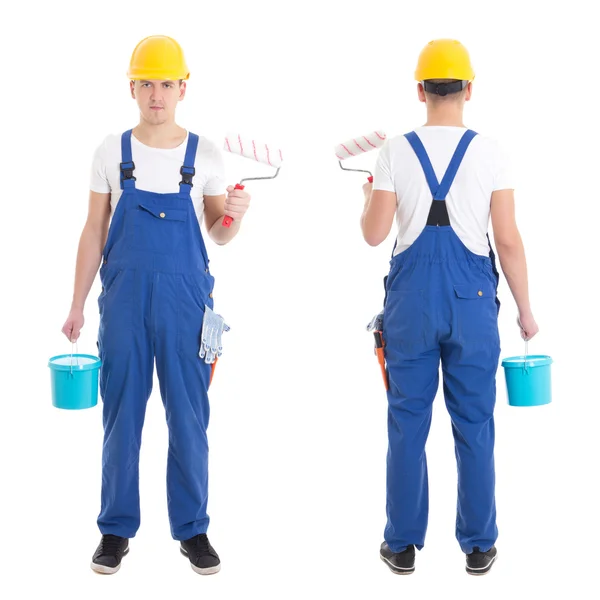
(298, 425)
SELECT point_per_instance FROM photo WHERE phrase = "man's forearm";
(89, 255)
(363, 217)
(514, 267)
(221, 235)
(378, 215)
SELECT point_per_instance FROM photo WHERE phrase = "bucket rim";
(75, 367)
(531, 361)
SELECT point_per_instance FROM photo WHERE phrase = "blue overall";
(155, 285)
(441, 305)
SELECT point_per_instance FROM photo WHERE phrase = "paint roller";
(254, 150)
(359, 145)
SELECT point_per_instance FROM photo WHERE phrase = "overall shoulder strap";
(188, 169)
(454, 165)
(438, 215)
(417, 146)
(127, 166)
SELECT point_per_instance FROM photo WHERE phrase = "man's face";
(157, 100)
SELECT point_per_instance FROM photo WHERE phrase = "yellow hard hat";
(444, 59)
(158, 57)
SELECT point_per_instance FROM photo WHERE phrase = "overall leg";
(413, 370)
(413, 385)
(184, 381)
(125, 385)
(469, 371)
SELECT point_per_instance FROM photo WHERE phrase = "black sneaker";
(108, 555)
(479, 563)
(401, 563)
(202, 555)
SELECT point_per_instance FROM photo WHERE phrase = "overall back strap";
(438, 215)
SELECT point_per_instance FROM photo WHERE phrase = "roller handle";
(227, 221)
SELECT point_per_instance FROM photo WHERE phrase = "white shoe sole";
(104, 570)
(483, 570)
(397, 570)
(209, 571)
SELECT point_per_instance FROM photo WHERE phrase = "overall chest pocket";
(157, 229)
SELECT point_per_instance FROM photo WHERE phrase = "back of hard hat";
(444, 59)
(158, 57)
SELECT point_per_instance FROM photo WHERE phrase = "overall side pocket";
(108, 278)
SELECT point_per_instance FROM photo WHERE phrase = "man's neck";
(165, 135)
(444, 117)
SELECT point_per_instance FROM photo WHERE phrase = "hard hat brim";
(156, 75)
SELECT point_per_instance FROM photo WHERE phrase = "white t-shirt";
(484, 169)
(157, 170)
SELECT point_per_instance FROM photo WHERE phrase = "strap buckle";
(443, 89)
(187, 174)
(127, 169)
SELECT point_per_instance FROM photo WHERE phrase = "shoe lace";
(110, 544)
(201, 545)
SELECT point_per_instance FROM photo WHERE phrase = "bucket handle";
(74, 345)
(525, 356)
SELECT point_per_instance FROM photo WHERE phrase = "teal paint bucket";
(74, 380)
(528, 380)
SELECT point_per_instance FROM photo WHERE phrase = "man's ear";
(182, 89)
(469, 91)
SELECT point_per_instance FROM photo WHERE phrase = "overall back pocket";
(476, 312)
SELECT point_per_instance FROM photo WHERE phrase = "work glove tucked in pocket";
(211, 346)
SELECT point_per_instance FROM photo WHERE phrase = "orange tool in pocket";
(212, 370)
(380, 356)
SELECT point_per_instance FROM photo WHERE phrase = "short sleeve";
(98, 179)
(383, 180)
(504, 177)
(215, 184)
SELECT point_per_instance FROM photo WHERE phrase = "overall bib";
(155, 285)
(441, 305)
